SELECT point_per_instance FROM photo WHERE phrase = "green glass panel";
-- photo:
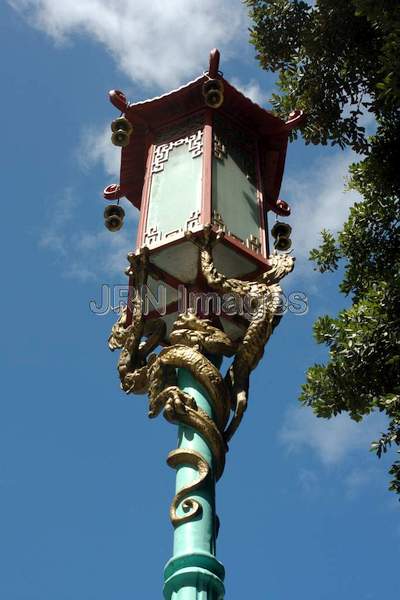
(235, 197)
(234, 190)
(175, 190)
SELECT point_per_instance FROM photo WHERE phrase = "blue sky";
(84, 488)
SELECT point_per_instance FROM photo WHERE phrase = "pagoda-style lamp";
(203, 164)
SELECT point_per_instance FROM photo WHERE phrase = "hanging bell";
(281, 232)
(213, 92)
(282, 243)
(114, 217)
(120, 138)
(281, 229)
(122, 130)
(122, 123)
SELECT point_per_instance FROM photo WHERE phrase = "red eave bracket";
(118, 99)
(296, 118)
(280, 208)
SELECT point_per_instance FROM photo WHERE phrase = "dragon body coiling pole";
(194, 573)
(184, 383)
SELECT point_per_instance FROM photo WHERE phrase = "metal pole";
(193, 572)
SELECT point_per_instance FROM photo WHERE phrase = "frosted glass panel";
(235, 198)
(175, 191)
(234, 191)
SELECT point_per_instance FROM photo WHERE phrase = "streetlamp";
(203, 164)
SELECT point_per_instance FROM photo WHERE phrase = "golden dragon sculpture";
(192, 344)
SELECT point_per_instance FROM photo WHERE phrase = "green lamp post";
(203, 164)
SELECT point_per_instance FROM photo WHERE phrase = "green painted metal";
(234, 197)
(194, 573)
(175, 192)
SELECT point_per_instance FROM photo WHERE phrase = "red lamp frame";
(148, 118)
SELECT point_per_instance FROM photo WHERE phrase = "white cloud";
(252, 90)
(101, 253)
(155, 43)
(332, 440)
(318, 201)
(357, 479)
(84, 254)
(91, 254)
(62, 215)
(308, 480)
(96, 148)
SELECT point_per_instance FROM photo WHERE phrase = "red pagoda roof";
(148, 116)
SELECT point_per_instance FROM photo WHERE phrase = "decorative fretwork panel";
(161, 153)
(175, 188)
(252, 242)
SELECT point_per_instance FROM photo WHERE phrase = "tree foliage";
(338, 60)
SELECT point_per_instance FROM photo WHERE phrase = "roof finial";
(214, 63)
